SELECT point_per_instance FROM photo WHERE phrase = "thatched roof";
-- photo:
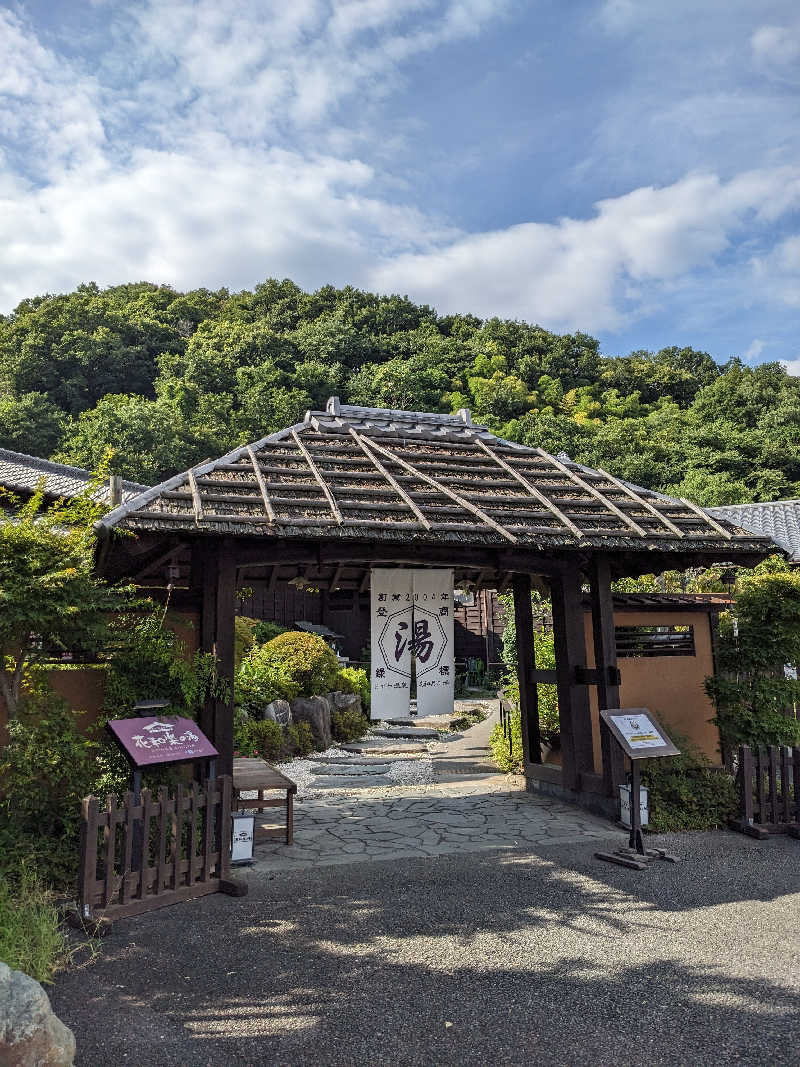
(383, 475)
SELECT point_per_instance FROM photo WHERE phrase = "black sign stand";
(652, 743)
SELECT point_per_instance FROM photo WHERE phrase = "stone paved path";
(467, 815)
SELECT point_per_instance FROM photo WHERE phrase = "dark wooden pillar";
(605, 658)
(526, 667)
(214, 565)
(573, 698)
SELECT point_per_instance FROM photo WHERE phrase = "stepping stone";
(364, 781)
(352, 761)
(351, 768)
(407, 731)
(384, 747)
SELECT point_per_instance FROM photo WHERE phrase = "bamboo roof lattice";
(356, 472)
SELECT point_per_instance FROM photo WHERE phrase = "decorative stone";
(317, 713)
(30, 1034)
(279, 711)
(347, 701)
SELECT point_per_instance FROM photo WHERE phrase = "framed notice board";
(637, 734)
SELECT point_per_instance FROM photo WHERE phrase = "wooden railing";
(138, 856)
(769, 791)
(506, 710)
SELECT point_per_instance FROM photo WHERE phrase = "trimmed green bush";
(299, 738)
(304, 659)
(265, 630)
(259, 738)
(354, 680)
(262, 678)
(347, 725)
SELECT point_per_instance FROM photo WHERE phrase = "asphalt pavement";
(512, 957)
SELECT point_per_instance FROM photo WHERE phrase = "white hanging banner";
(433, 641)
(391, 630)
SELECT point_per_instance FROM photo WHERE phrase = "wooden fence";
(506, 711)
(138, 856)
(769, 791)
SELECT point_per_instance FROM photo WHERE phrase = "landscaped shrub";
(299, 738)
(354, 680)
(259, 737)
(244, 638)
(305, 659)
(347, 724)
(468, 719)
(686, 792)
(265, 630)
(262, 678)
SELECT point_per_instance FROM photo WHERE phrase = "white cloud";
(776, 48)
(754, 350)
(577, 273)
(792, 366)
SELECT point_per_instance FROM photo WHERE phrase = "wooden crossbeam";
(641, 500)
(197, 502)
(536, 493)
(445, 490)
(591, 489)
(262, 485)
(316, 472)
(390, 479)
(712, 522)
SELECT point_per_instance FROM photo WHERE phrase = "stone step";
(355, 760)
(350, 767)
(407, 731)
(385, 748)
(364, 781)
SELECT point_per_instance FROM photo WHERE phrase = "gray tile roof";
(776, 519)
(23, 474)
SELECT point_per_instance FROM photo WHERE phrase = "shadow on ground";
(490, 957)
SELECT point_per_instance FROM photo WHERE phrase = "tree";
(50, 598)
(30, 423)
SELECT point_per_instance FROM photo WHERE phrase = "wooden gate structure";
(350, 488)
(769, 791)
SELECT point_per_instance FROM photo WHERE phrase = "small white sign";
(638, 731)
(790, 672)
(625, 805)
(242, 838)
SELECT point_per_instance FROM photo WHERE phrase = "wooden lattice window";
(652, 641)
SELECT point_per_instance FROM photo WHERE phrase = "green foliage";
(498, 743)
(686, 793)
(299, 738)
(265, 630)
(304, 659)
(50, 598)
(46, 769)
(544, 651)
(347, 725)
(354, 680)
(750, 690)
(262, 678)
(244, 637)
(468, 719)
(31, 938)
(263, 738)
(30, 423)
(149, 662)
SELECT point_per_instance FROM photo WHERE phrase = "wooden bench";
(254, 775)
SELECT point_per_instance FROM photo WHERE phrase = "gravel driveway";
(511, 957)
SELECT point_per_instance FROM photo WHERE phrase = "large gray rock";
(347, 701)
(317, 713)
(278, 711)
(30, 1035)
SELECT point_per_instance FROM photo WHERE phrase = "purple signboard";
(161, 740)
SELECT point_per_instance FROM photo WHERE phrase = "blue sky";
(622, 167)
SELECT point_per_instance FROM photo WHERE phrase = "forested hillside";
(169, 379)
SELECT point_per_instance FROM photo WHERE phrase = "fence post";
(87, 872)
